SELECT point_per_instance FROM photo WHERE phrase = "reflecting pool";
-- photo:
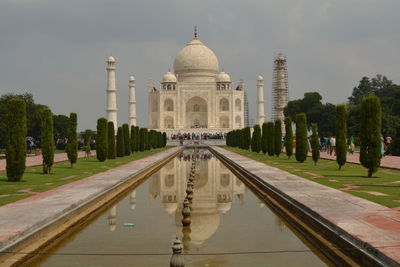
(230, 225)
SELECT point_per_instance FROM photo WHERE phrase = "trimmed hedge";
(101, 139)
(278, 138)
(301, 137)
(72, 145)
(256, 139)
(15, 141)
(47, 139)
(127, 139)
(370, 134)
(288, 137)
(111, 151)
(315, 143)
(270, 138)
(120, 142)
(341, 135)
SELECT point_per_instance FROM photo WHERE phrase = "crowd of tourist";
(198, 136)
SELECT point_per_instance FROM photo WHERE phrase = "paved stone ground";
(391, 162)
(37, 160)
(372, 223)
(17, 218)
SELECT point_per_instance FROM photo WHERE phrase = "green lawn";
(62, 173)
(384, 181)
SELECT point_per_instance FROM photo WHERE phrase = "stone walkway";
(32, 161)
(364, 220)
(18, 220)
(391, 162)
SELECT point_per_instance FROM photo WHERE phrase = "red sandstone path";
(37, 160)
(391, 162)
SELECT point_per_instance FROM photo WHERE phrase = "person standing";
(333, 146)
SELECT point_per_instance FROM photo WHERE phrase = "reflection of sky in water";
(226, 217)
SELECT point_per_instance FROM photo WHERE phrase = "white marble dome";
(223, 77)
(169, 78)
(195, 57)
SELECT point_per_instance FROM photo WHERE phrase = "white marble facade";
(197, 97)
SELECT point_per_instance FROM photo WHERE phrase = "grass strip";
(34, 181)
(383, 188)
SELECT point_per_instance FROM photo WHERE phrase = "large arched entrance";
(196, 113)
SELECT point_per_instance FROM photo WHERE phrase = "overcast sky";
(56, 50)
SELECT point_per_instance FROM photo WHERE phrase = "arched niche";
(168, 105)
(196, 113)
(238, 104)
(224, 104)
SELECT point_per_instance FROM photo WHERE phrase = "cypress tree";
(127, 139)
(256, 139)
(101, 139)
(370, 134)
(47, 140)
(341, 135)
(314, 143)
(270, 138)
(164, 135)
(111, 154)
(288, 137)
(72, 146)
(301, 137)
(120, 142)
(137, 138)
(278, 137)
(16, 145)
(142, 146)
(133, 138)
(264, 138)
(247, 138)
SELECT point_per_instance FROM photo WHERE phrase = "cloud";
(57, 49)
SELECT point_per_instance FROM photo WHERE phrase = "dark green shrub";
(102, 139)
(111, 154)
(301, 137)
(143, 139)
(133, 138)
(264, 138)
(47, 140)
(256, 139)
(314, 143)
(15, 141)
(72, 145)
(164, 135)
(120, 142)
(270, 138)
(247, 138)
(127, 139)
(288, 137)
(370, 134)
(341, 135)
(278, 138)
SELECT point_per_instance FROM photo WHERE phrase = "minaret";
(111, 92)
(280, 94)
(132, 102)
(260, 100)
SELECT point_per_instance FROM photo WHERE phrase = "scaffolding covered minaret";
(280, 93)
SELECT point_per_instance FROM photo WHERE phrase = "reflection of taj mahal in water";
(214, 190)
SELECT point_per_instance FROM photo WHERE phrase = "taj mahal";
(197, 96)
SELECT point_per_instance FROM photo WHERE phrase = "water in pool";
(226, 218)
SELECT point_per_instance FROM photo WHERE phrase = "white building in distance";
(197, 97)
